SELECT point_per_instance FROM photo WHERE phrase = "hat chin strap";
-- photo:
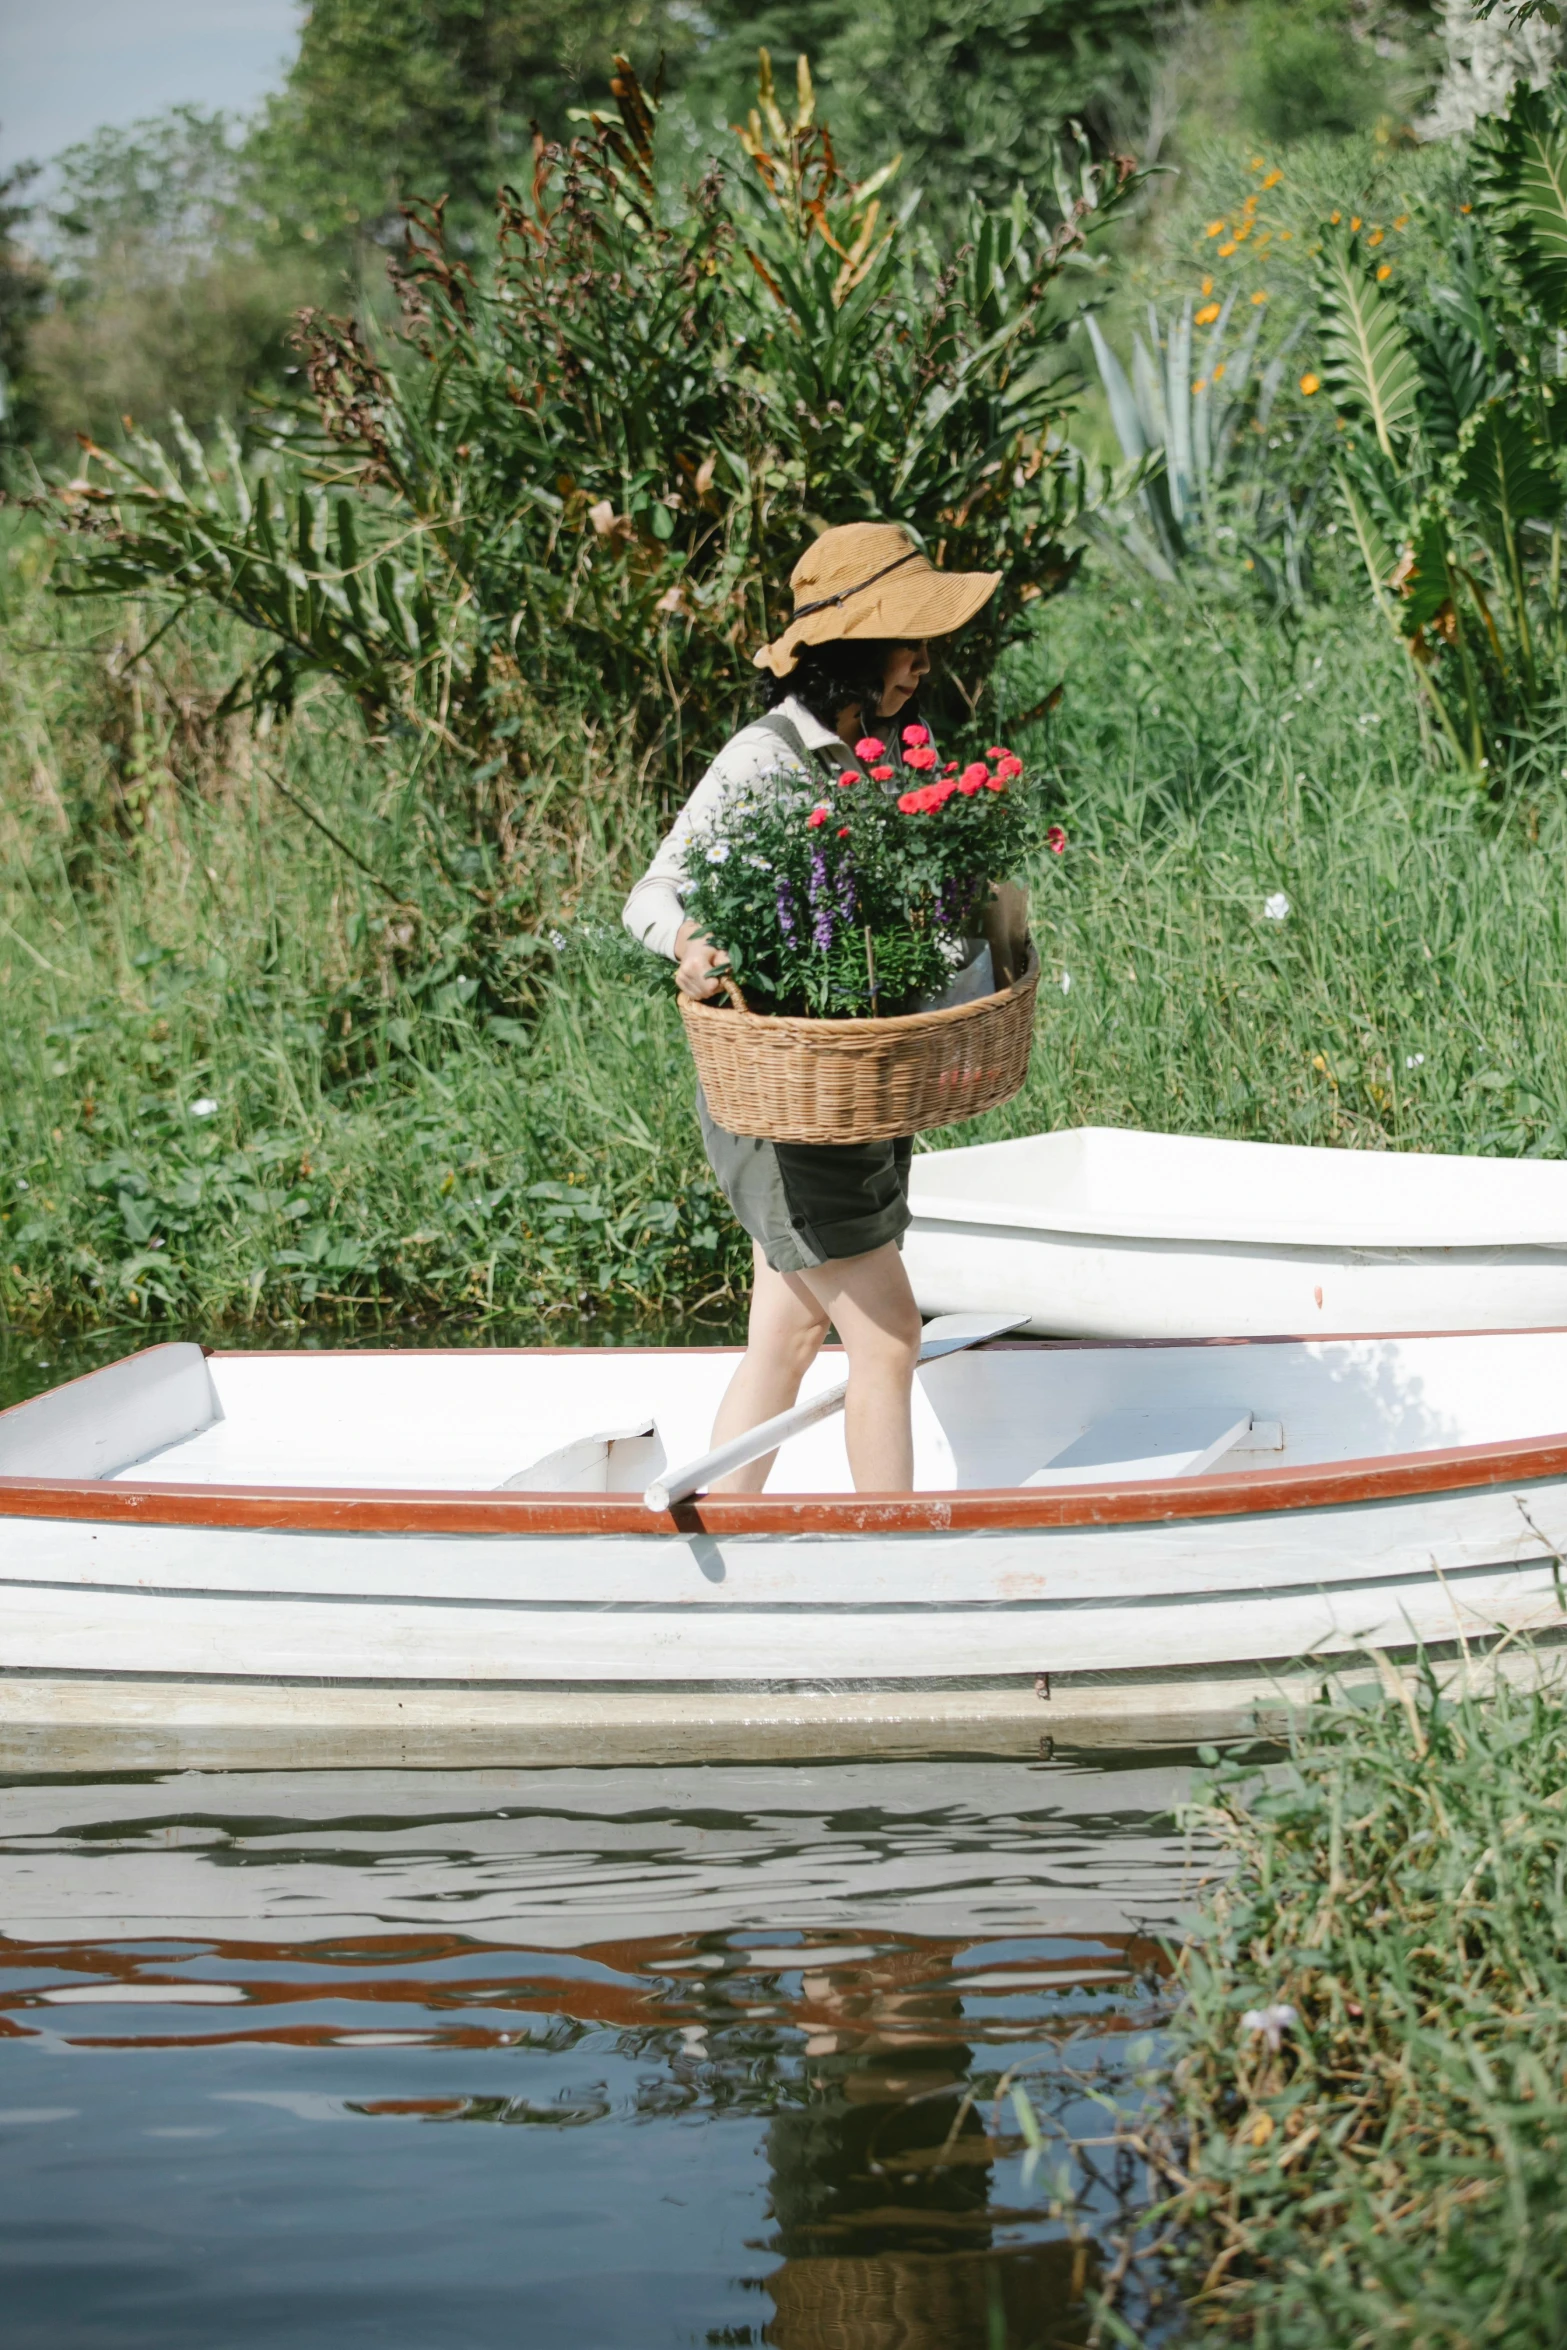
(822, 603)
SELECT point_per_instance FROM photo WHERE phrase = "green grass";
(1393, 2172)
(173, 929)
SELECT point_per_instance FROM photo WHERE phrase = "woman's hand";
(697, 962)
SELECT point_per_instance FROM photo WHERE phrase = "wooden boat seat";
(612, 1460)
(1166, 1443)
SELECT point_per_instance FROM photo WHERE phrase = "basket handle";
(731, 989)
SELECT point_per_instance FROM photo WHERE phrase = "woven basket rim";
(902, 1023)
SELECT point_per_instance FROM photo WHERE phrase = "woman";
(825, 1220)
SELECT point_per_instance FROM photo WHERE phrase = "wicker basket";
(797, 1080)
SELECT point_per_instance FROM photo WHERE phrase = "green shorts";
(804, 1202)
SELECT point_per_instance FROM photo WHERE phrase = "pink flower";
(996, 782)
(1055, 840)
(950, 768)
(909, 802)
(881, 775)
(914, 736)
(817, 816)
(1009, 765)
(868, 747)
(849, 775)
(973, 778)
(921, 758)
(998, 751)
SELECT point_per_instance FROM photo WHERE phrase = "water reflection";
(591, 2058)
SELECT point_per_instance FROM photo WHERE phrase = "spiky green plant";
(1451, 465)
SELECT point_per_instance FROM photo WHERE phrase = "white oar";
(948, 1334)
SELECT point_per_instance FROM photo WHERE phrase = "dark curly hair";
(847, 673)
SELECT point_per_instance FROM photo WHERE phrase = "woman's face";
(906, 665)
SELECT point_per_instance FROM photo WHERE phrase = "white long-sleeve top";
(656, 907)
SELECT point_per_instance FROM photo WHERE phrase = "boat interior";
(1014, 1413)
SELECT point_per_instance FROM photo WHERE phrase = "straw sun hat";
(869, 579)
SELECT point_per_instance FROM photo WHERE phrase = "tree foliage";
(578, 477)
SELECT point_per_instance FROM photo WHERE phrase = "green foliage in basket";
(855, 897)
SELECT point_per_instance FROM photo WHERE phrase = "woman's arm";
(655, 911)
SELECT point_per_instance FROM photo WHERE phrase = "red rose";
(973, 778)
(921, 759)
(909, 801)
(868, 747)
(849, 775)
(881, 775)
(1055, 840)
(1010, 765)
(915, 735)
(843, 832)
(996, 782)
(950, 768)
(998, 751)
(816, 816)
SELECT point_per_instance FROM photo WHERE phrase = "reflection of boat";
(1099, 1233)
(850, 1955)
(353, 1557)
(634, 1860)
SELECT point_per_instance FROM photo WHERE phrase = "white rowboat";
(1098, 1233)
(436, 1558)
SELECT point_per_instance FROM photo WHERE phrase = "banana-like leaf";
(1503, 476)
(1426, 590)
(1520, 164)
(1365, 351)
(1375, 551)
(1454, 374)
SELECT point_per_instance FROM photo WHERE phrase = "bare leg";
(783, 1338)
(870, 1301)
(873, 1310)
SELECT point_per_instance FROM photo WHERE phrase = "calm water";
(613, 2059)
(606, 2059)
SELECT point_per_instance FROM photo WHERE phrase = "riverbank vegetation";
(1367, 2121)
(234, 1091)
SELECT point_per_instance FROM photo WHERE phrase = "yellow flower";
(1218, 373)
(1286, 236)
(1385, 271)
(1201, 385)
(1215, 228)
(1225, 251)
(1310, 383)
(1273, 178)
(1335, 218)
(1242, 231)
(1466, 208)
(1354, 223)
(1257, 162)
(1261, 295)
(1207, 285)
(1376, 237)
(1402, 220)
(1207, 314)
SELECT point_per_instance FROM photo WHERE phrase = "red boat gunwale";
(1005, 1509)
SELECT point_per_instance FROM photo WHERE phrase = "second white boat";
(1098, 1233)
